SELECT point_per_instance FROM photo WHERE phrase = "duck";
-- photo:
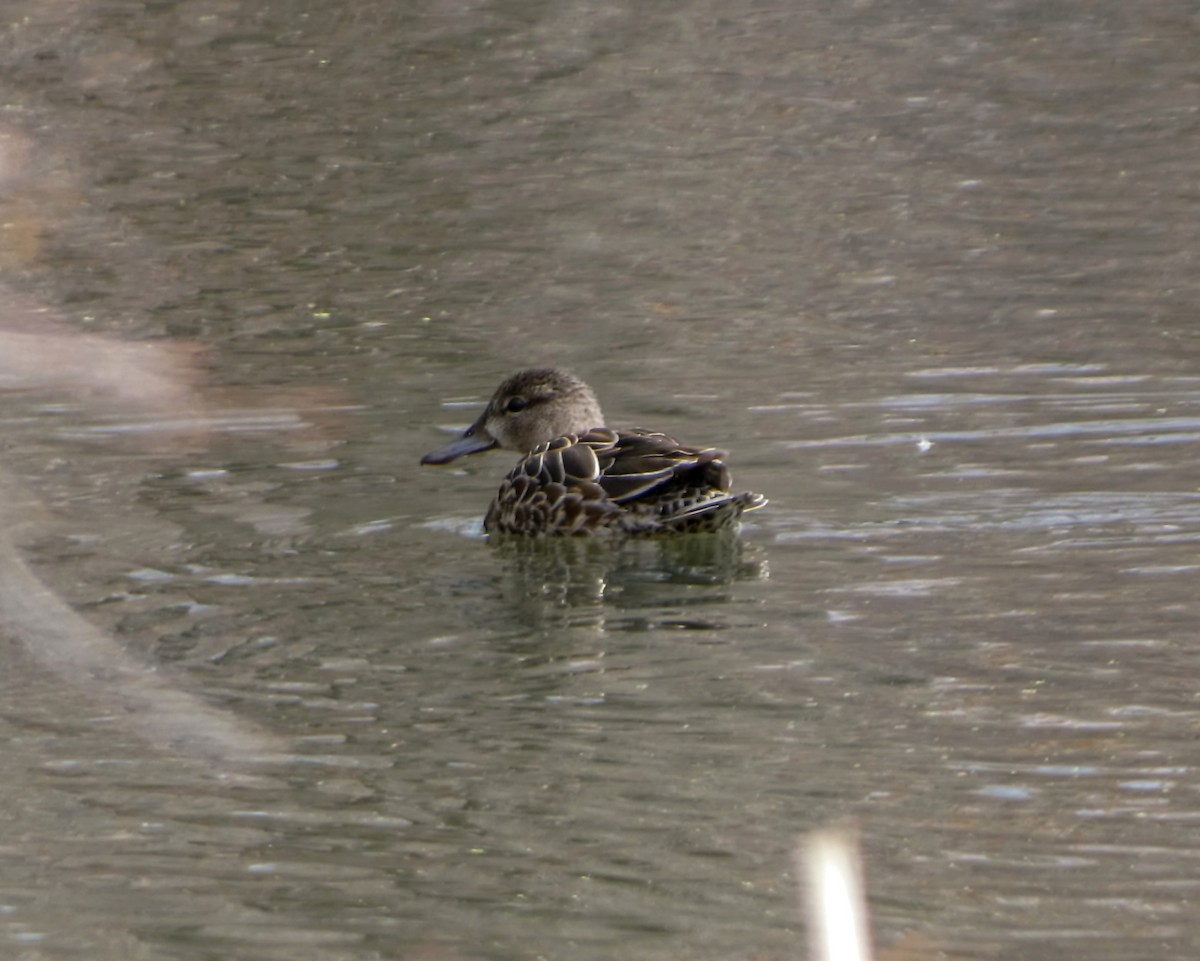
(577, 476)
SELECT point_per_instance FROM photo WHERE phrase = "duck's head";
(532, 407)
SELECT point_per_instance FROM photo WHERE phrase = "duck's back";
(630, 481)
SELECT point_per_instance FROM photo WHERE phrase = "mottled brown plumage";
(578, 477)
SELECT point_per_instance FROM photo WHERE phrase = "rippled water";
(928, 272)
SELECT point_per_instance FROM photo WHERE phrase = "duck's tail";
(718, 512)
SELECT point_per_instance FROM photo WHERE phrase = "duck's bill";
(467, 444)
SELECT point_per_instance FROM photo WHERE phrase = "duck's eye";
(516, 404)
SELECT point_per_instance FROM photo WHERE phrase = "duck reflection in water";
(679, 583)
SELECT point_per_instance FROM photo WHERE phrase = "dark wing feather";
(643, 462)
(575, 463)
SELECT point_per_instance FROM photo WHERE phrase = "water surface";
(929, 272)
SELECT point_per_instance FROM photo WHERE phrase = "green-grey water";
(928, 272)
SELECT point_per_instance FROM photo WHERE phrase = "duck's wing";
(634, 480)
(676, 486)
(642, 464)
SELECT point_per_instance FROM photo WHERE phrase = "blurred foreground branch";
(830, 864)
